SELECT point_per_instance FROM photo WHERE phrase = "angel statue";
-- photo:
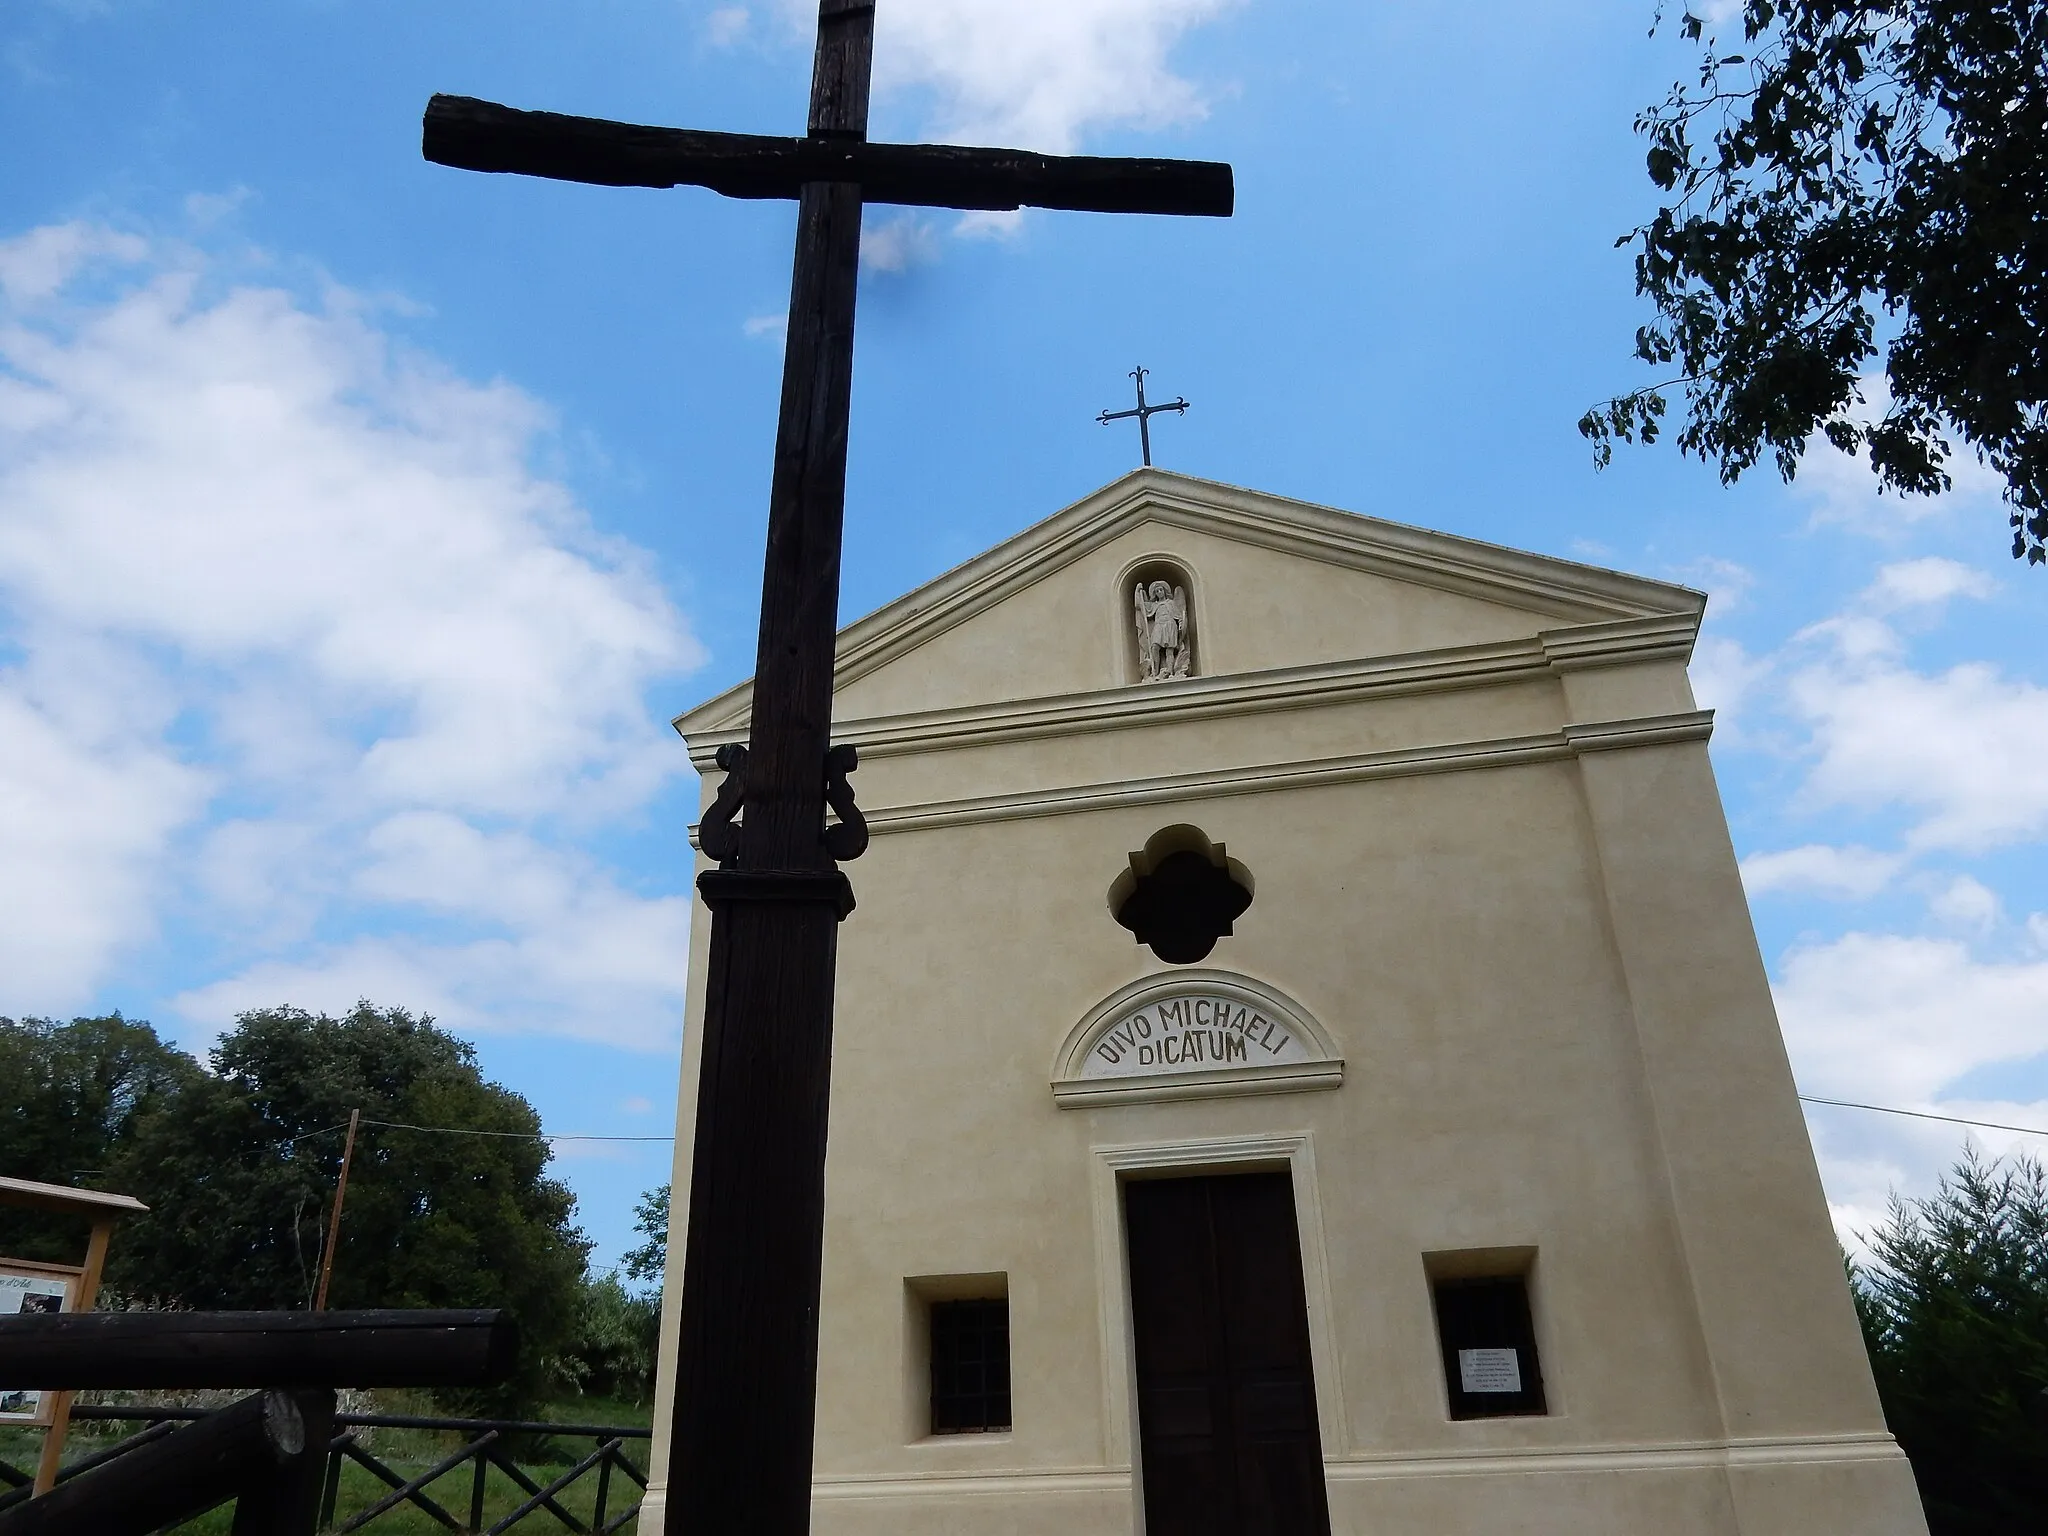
(1162, 615)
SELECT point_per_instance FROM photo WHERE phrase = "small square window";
(970, 1354)
(1489, 1347)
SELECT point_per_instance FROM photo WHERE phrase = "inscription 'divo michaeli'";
(1196, 1032)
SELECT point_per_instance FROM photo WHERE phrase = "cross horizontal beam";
(473, 135)
(184, 1350)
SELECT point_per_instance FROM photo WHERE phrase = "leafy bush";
(617, 1333)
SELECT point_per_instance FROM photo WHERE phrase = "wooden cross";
(747, 1353)
(1144, 413)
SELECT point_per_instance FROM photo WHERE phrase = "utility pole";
(348, 1151)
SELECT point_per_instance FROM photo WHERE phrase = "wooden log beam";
(182, 1350)
(283, 1499)
(172, 1479)
(474, 135)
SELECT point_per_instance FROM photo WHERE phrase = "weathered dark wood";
(747, 1361)
(473, 135)
(143, 1350)
(151, 1415)
(284, 1499)
(181, 1475)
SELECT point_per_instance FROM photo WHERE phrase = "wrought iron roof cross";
(1144, 413)
(747, 1356)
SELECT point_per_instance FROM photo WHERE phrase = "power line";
(1921, 1114)
(325, 1130)
(458, 1130)
(454, 1130)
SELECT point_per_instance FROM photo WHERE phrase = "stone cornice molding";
(1557, 746)
(1753, 1451)
(1621, 643)
(1591, 1457)
(1540, 584)
(1647, 731)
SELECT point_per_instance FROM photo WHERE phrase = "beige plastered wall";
(1505, 890)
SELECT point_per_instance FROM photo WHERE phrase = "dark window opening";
(970, 1366)
(1489, 1347)
(1181, 894)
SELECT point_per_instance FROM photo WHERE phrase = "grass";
(409, 1452)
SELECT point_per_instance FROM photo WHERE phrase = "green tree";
(70, 1095)
(1852, 161)
(240, 1168)
(650, 1220)
(1955, 1312)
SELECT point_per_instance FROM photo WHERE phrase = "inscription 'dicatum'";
(1198, 1032)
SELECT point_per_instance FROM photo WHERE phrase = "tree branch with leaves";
(1854, 182)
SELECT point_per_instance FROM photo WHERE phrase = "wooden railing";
(619, 1480)
(267, 1452)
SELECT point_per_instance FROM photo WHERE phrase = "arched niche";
(1193, 1034)
(1145, 614)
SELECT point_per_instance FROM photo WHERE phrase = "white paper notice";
(26, 1293)
(1489, 1370)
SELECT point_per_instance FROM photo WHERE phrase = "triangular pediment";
(1277, 584)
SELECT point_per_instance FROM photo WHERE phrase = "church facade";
(1303, 1061)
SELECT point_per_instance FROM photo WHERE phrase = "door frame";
(1110, 1167)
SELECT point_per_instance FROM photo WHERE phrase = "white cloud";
(1952, 1020)
(1723, 678)
(203, 209)
(565, 951)
(1034, 76)
(1891, 1018)
(1960, 749)
(1967, 902)
(990, 224)
(34, 266)
(86, 811)
(1894, 1020)
(1727, 583)
(1925, 583)
(726, 26)
(261, 563)
(760, 326)
(1821, 870)
(898, 244)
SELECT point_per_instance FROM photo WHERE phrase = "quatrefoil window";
(1181, 894)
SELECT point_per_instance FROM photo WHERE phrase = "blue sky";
(363, 522)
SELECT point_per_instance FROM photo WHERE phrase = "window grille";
(970, 1354)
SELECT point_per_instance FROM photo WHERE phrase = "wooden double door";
(1227, 1432)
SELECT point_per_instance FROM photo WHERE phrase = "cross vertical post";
(747, 1357)
(747, 1354)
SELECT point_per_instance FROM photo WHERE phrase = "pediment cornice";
(1133, 706)
(1569, 594)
